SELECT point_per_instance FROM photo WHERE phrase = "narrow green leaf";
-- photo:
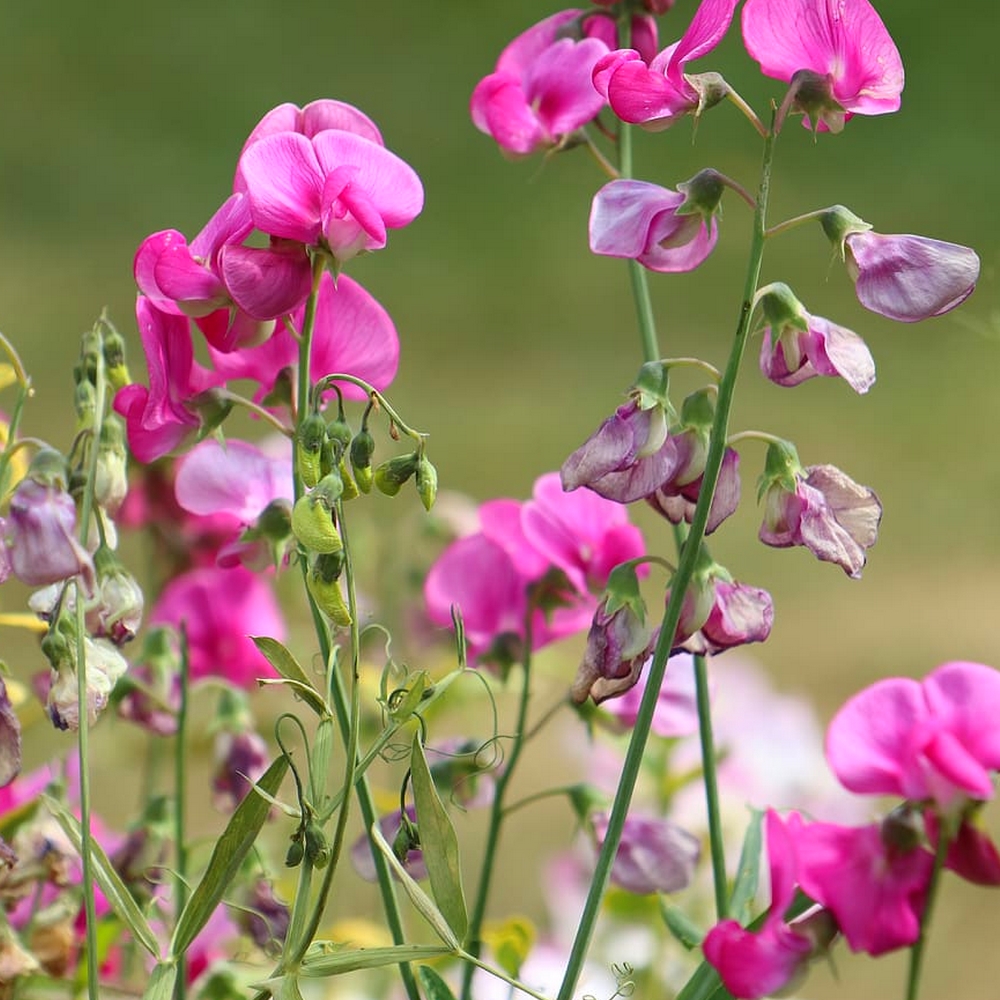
(424, 904)
(405, 701)
(748, 871)
(435, 988)
(118, 896)
(438, 843)
(161, 982)
(325, 958)
(282, 660)
(230, 850)
(681, 926)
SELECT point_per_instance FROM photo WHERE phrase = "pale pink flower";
(337, 191)
(909, 278)
(677, 498)
(931, 739)
(658, 94)
(676, 712)
(654, 855)
(541, 90)
(220, 610)
(639, 220)
(842, 42)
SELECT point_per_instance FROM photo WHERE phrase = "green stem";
(711, 782)
(375, 396)
(919, 946)
(497, 812)
(678, 589)
(12, 443)
(305, 351)
(180, 820)
(783, 227)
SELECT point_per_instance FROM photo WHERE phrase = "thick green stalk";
(497, 813)
(919, 946)
(711, 782)
(180, 818)
(685, 570)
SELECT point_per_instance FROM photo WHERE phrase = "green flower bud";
(393, 473)
(295, 853)
(325, 590)
(308, 447)
(339, 431)
(362, 449)
(317, 850)
(427, 482)
(312, 524)
(350, 486)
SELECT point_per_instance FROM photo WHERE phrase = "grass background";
(120, 119)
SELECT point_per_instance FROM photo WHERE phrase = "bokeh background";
(122, 118)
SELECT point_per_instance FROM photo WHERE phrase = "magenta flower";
(932, 739)
(159, 418)
(642, 221)
(852, 63)
(875, 890)
(654, 855)
(541, 90)
(753, 965)
(658, 94)
(909, 278)
(337, 190)
(820, 508)
(221, 609)
(352, 334)
(626, 459)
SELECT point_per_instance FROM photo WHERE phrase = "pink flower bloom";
(720, 613)
(644, 33)
(654, 855)
(658, 94)
(336, 190)
(626, 459)
(541, 90)
(159, 418)
(759, 964)
(221, 609)
(353, 335)
(931, 739)
(677, 497)
(875, 891)
(820, 508)
(909, 278)
(843, 41)
(641, 221)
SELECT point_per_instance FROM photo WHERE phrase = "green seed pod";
(316, 847)
(350, 486)
(362, 449)
(326, 593)
(295, 853)
(427, 482)
(312, 525)
(308, 447)
(392, 474)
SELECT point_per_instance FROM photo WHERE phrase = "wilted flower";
(265, 917)
(818, 507)
(654, 855)
(104, 666)
(240, 760)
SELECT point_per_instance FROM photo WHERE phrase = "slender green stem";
(685, 570)
(515, 984)
(711, 782)
(749, 112)
(497, 812)
(258, 411)
(756, 436)
(919, 946)
(799, 220)
(375, 396)
(180, 816)
(305, 350)
(548, 793)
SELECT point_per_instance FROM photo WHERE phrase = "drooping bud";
(115, 612)
(393, 473)
(427, 482)
(362, 449)
(312, 516)
(111, 479)
(322, 581)
(114, 360)
(309, 440)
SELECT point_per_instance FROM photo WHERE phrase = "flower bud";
(309, 440)
(111, 479)
(427, 482)
(393, 473)
(312, 522)
(115, 612)
(362, 449)
(114, 360)
(325, 590)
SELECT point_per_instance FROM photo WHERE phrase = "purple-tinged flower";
(541, 90)
(657, 95)
(677, 498)
(10, 739)
(851, 64)
(405, 845)
(798, 346)
(818, 507)
(676, 712)
(874, 888)
(104, 665)
(654, 855)
(264, 917)
(661, 229)
(931, 739)
(627, 458)
(240, 760)
(762, 963)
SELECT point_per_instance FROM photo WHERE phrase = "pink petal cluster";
(842, 42)
(657, 94)
(556, 545)
(541, 90)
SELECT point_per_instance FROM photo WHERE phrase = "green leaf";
(424, 904)
(438, 843)
(403, 702)
(681, 926)
(161, 982)
(282, 660)
(118, 896)
(325, 958)
(435, 988)
(230, 850)
(748, 871)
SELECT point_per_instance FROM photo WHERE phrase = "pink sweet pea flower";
(932, 739)
(158, 419)
(641, 221)
(352, 334)
(909, 278)
(643, 30)
(793, 356)
(760, 964)
(221, 609)
(676, 712)
(658, 94)
(875, 890)
(677, 498)
(843, 43)
(541, 90)
(337, 190)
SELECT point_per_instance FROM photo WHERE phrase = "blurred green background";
(120, 119)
